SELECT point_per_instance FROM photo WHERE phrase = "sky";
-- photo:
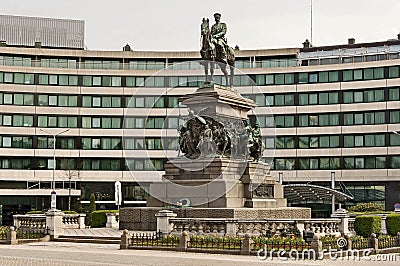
(165, 25)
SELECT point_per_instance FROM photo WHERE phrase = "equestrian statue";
(215, 49)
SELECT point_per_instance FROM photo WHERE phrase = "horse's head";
(205, 26)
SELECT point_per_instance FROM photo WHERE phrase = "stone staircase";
(90, 239)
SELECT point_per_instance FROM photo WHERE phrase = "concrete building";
(334, 110)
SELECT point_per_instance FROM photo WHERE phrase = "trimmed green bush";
(92, 205)
(70, 212)
(99, 218)
(366, 207)
(35, 212)
(366, 225)
(393, 224)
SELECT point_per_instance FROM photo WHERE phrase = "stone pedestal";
(112, 220)
(221, 183)
(163, 224)
(54, 221)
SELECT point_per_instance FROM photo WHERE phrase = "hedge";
(393, 224)
(366, 225)
(42, 212)
(366, 207)
(99, 218)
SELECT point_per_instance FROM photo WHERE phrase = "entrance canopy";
(313, 193)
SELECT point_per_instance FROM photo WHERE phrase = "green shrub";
(42, 212)
(92, 205)
(393, 224)
(366, 207)
(366, 225)
(35, 212)
(70, 212)
(99, 218)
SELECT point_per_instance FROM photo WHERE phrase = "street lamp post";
(53, 202)
(280, 178)
(333, 187)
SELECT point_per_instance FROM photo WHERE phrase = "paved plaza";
(58, 253)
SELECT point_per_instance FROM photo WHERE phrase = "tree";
(92, 205)
(71, 171)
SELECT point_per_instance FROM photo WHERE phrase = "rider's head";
(217, 17)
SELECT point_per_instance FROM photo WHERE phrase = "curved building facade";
(334, 109)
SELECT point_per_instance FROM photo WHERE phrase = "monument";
(218, 173)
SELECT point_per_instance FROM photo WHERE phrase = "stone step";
(90, 239)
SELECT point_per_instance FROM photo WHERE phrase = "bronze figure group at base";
(203, 136)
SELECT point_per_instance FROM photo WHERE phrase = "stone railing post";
(112, 220)
(398, 239)
(344, 221)
(383, 222)
(54, 221)
(246, 245)
(349, 242)
(163, 224)
(300, 225)
(231, 227)
(183, 241)
(17, 221)
(316, 245)
(11, 236)
(373, 242)
(81, 221)
(125, 240)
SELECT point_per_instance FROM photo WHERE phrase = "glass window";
(323, 77)
(359, 163)
(348, 141)
(96, 121)
(303, 99)
(394, 94)
(323, 98)
(96, 101)
(52, 100)
(8, 98)
(333, 76)
(42, 121)
(86, 122)
(394, 72)
(347, 75)
(313, 98)
(87, 81)
(43, 79)
(28, 99)
(303, 77)
(97, 81)
(269, 79)
(369, 73)
(358, 74)
(313, 78)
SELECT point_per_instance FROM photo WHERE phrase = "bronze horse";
(211, 55)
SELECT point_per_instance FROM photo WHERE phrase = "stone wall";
(144, 219)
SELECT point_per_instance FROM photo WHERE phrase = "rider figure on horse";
(218, 31)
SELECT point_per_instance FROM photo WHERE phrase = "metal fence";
(268, 244)
(388, 242)
(360, 243)
(154, 239)
(225, 243)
